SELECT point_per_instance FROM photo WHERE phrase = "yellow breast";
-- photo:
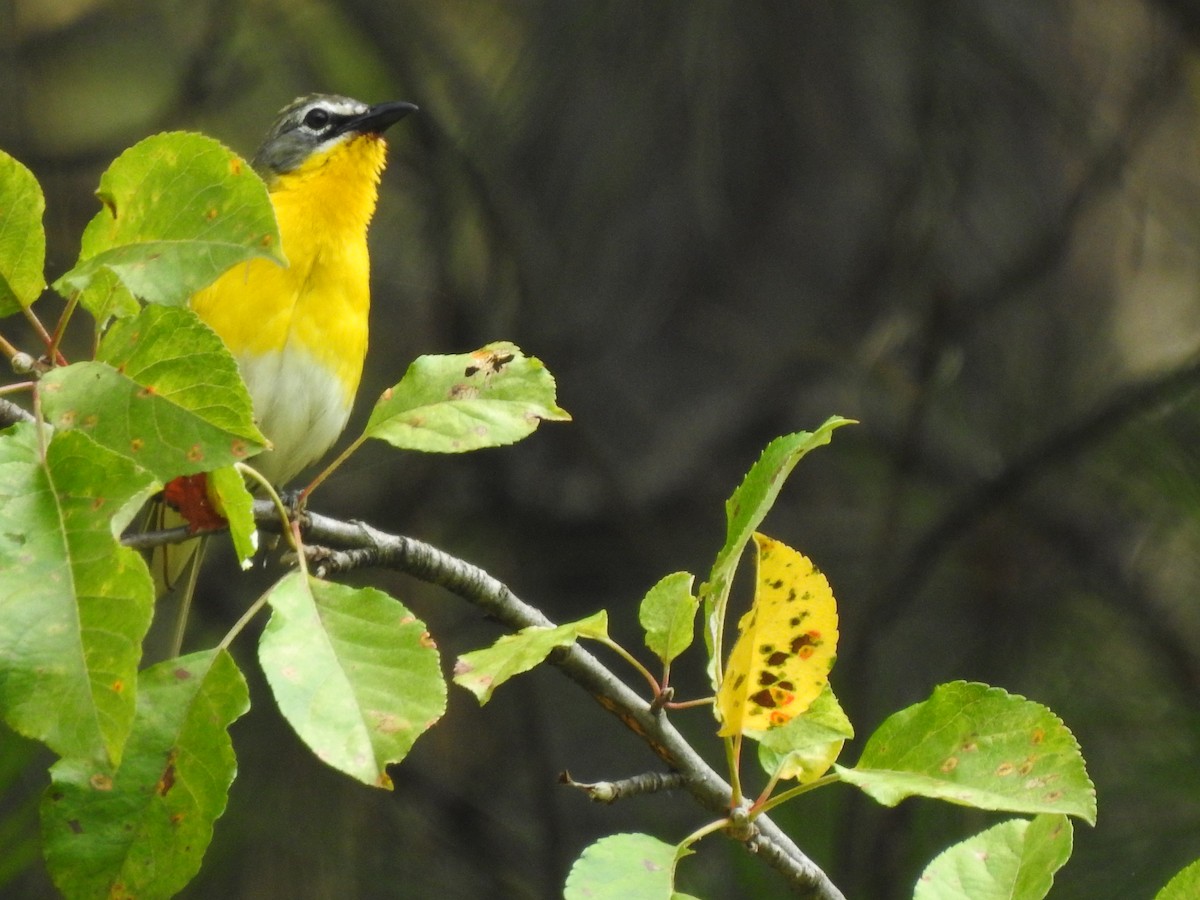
(300, 333)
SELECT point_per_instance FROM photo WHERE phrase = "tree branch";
(634, 786)
(356, 544)
(148, 540)
(11, 414)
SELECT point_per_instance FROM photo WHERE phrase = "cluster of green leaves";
(968, 743)
(145, 760)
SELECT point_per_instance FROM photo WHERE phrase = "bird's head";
(314, 125)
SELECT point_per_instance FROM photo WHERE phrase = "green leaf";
(105, 297)
(1015, 860)
(22, 238)
(624, 867)
(74, 604)
(806, 746)
(668, 615)
(977, 746)
(179, 209)
(1184, 886)
(451, 404)
(482, 671)
(140, 829)
(164, 391)
(237, 506)
(744, 512)
(354, 672)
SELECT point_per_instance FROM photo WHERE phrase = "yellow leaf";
(786, 644)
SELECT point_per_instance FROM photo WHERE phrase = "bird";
(299, 332)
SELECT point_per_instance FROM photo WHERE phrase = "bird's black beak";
(378, 118)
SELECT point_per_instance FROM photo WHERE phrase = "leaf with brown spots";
(163, 390)
(353, 671)
(141, 828)
(177, 212)
(468, 401)
(625, 865)
(75, 605)
(1015, 860)
(977, 746)
(786, 644)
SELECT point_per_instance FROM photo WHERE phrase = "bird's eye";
(317, 119)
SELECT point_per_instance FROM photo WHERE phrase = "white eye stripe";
(323, 117)
(334, 110)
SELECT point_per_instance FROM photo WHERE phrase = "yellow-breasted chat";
(299, 333)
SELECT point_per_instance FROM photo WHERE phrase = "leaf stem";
(16, 386)
(799, 789)
(766, 792)
(241, 623)
(61, 327)
(254, 475)
(689, 704)
(51, 348)
(632, 660)
(702, 832)
(6, 348)
(733, 756)
(291, 527)
(185, 601)
(332, 467)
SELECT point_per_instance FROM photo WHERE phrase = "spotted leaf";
(786, 644)
(178, 209)
(451, 404)
(163, 391)
(977, 746)
(353, 671)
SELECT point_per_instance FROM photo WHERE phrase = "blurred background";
(973, 226)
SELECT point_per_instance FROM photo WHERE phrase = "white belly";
(299, 405)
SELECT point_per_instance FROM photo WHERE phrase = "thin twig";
(148, 540)
(634, 786)
(6, 348)
(11, 414)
